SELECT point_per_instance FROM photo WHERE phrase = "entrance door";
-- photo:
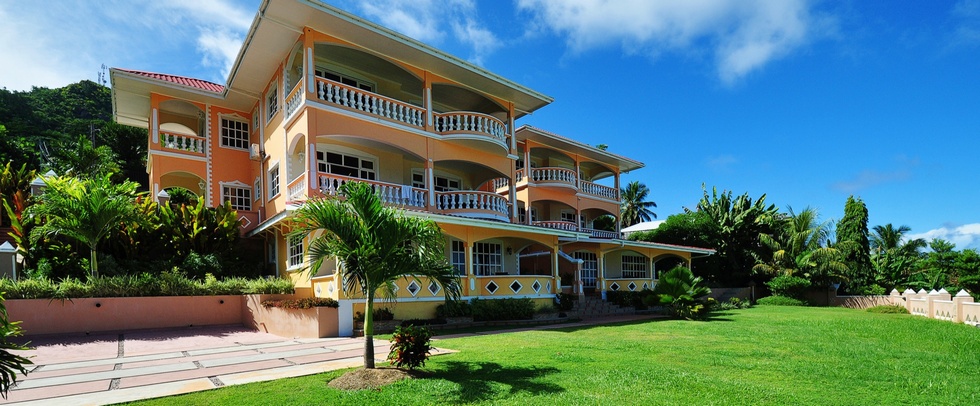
(590, 269)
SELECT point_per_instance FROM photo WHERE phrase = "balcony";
(600, 191)
(554, 176)
(185, 143)
(570, 226)
(392, 194)
(473, 204)
(460, 122)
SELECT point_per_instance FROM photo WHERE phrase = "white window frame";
(258, 189)
(246, 141)
(321, 72)
(244, 203)
(457, 256)
(323, 166)
(488, 259)
(271, 101)
(294, 251)
(274, 181)
(635, 267)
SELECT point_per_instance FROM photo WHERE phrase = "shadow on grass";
(482, 381)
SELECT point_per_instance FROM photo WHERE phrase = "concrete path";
(121, 367)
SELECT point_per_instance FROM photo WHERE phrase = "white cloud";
(59, 42)
(869, 178)
(964, 236)
(432, 21)
(721, 162)
(743, 36)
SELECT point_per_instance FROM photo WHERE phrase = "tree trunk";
(369, 331)
(93, 263)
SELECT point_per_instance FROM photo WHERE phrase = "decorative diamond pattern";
(536, 286)
(516, 286)
(244, 221)
(548, 287)
(413, 288)
(330, 288)
(434, 288)
(614, 287)
(631, 286)
(492, 287)
(645, 286)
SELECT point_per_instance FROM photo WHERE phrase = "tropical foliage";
(854, 246)
(799, 248)
(683, 294)
(10, 364)
(635, 206)
(377, 246)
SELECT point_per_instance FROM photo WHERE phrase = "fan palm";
(377, 245)
(635, 208)
(798, 248)
(84, 210)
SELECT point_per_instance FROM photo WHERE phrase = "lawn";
(763, 355)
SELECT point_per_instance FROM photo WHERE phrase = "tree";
(377, 245)
(635, 207)
(740, 222)
(681, 291)
(79, 158)
(693, 229)
(855, 247)
(798, 249)
(84, 210)
(887, 237)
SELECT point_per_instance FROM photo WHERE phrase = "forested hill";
(63, 128)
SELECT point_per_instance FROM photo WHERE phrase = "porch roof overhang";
(279, 23)
(274, 221)
(618, 243)
(527, 132)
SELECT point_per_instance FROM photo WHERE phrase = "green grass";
(763, 355)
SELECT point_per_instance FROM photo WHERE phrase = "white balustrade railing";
(180, 142)
(394, 194)
(368, 102)
(634, 274)
(468, 122)
(294, 99)
(297, 188)
(561, 175)
(519, 176)
(596, 189)
(500, 183)
(601, 233)
(471, 200)
(561, 225)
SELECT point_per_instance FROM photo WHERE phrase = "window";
(457, 257)
(568, 216)
(274, 181)
(444, 184)
(234, 134)
(487, 259)
(240, 197)
(272, 101)
(295, 250)
(634, 266)
(258, 188)
(345, 165)
(418, 179)
(345, 79)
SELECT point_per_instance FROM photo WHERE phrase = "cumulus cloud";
(964, 236)
(721, 162)
(966, 17)
(55, 43)
(743, 36)
(433, 21)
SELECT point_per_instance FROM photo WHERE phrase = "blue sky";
(806, 101)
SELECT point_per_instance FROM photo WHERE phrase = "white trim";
(177, 155)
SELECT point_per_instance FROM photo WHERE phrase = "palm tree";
(83, 210)
(798, 249)
(377, 245)
(635, 207)
(887, 237)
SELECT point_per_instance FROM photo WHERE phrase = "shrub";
(197, 265)
(380, 314)
(780, 301)
(733, 304)
(71, 288)
(169, 284)
(502, 309)
(304, 303)
(271, 286)
(410, 346)
(422, 322)
(42, 288)
(789, 286)
(176, 283)
(454, 309)
(888, 309)
(565, 302)
(682, 293)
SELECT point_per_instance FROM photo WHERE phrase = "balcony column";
(510, 127)
(527, 162)
(601, 274)
(427, 102)
(653, 271)
(429, 184)
(312, 180)
(512, 192)
(470, 274)
(555, 274)
(578, 175)
(618, 197)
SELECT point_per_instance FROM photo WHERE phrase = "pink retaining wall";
(46, 316)
(317, 322)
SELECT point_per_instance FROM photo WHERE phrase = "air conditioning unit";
(254, 153)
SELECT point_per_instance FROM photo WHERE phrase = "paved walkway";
(111, 368)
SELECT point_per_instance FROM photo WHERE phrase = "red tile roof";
(180, 80)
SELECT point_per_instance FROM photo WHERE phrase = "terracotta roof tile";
(180, 80)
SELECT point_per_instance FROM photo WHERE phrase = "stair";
(591, 307)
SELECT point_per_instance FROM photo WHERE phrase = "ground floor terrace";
(494, 260)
